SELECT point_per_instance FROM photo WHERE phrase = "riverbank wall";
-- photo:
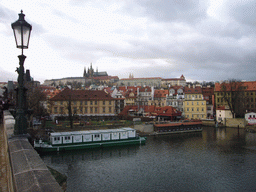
(26, 171)
(227, 122)
(147, 128)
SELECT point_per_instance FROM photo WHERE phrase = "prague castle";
(89, 77)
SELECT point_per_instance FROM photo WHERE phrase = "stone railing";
(27, 171)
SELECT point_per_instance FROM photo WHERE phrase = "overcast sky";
(205, 40)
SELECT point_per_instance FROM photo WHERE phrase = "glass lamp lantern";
(21, 30)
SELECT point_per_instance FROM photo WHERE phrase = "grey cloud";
(205, 49)
(242, 11)
(170, 10)
(64, 15)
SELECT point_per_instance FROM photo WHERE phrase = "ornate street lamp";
(21, 30)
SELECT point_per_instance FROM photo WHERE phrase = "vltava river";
(221, 159)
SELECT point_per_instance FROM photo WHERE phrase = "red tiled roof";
(125, 88)
(160, 93)
(192, 90)
(79, 95)
(141, 78)
(153, 110)
(108, 89)
(145, 89)
(249, 85)
(177, 124)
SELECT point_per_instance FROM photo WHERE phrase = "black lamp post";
(21, 30)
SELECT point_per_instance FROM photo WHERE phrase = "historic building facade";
(175, 97)
(167, 83)
(151, 82)
(241, 96)
(82, 103)
(194, 103)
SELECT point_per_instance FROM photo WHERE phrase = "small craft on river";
(178, 127)
(64, 141)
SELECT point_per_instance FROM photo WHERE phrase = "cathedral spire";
(84, 72)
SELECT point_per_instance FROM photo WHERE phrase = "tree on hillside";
(233, 94)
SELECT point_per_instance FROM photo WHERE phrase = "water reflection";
(214, 160)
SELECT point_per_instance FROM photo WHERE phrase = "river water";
(222, 159)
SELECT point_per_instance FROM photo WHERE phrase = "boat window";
(67, 138)
(97, 135)
(56, 138)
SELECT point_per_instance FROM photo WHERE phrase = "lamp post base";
(20, 127)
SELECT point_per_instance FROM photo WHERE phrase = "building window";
(81, 102)
(61, 103)
(103, 102)
(91, 109)
(85, 110)
(74, 102)
(187, 103)
(91, 103)
(81, 110)
(110, 109)
(95, 102)
(75, 110)
(85, 102)
(188, 109)
(197, 109)
(104, 109)
(192, 109)
(109, 102)
(199, 96)
(192, 103)
(197, 103)
(202, 109)
(96, 110)
(55, 109)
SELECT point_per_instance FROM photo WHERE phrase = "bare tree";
(233, 95)
(70, 113)
(35, 100)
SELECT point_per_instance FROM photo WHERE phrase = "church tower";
(85, 75)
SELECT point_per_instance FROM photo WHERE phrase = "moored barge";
(65, 141)
(178, 127)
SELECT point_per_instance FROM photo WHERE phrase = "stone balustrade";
(27, 171)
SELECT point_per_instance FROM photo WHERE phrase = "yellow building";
(239, 97)
(82, 102)
(130, 98)
(194, 103)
